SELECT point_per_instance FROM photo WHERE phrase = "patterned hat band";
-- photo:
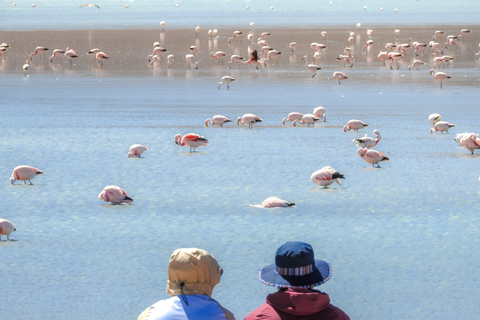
(299, 271)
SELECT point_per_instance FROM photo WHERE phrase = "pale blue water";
(402, 239)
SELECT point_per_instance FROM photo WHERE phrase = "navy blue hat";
(295, 266)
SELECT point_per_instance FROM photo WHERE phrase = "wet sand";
(128, 49)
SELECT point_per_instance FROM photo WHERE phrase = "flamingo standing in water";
(249, 119)
(274, 202)
(253, 59)
(308, 119)
(441, 126)
(191, 140)
(292, 116)
(6, 227)
(459, 136)
(217, 120)
(372, 156)
(170, 60)
(441, 76)
(100, 56)
(38, 50)
(191, 61)
(339, 76)
(416, 64)
(115, 195)
(226, 80)
(26, 66)
(24, 173)
(56, 53)
(218, 55)
(434, 118)
(319, 112)
(136, 150)
(235, 58)
(70, 54)
(354, 125)
(368, 142)
(326, 176)
(470, 141)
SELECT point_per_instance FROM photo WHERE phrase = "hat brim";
(321, 274)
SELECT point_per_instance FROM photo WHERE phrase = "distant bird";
(235, 58)
(459, 136)
(93, 52)
(319, 112)
(191, 61)
(416, 64)
(217, 120)
(470, 141)
(6, 227)
(308, 119)
(24, 173)
(292, 116)
(218, 55)
(292, 46)
(368, 142)
(253, 59)
(38, 50)
(384, 56)
(441, 126)
(272, 54)
(439, 76)
(56, 53)
(372, 156)
(115, 195)
(197, 30)
(326, 176)
(313, 68)
(157, 50)
(274, 202)
(136, 150)
(191, 140)
(226, 80)
(70, 54)
(354, 125)
(170, 60)
(235, 35)
(88, 5)
(25, 67)
(434, 118)
(339, 76)
(249, 119)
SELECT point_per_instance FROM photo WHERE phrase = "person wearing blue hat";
(295, 272)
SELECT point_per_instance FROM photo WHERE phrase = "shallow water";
(402, 238)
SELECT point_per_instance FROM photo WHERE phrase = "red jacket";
(297, 303)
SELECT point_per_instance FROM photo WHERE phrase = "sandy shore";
(128, 49)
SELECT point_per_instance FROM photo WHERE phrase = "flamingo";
(235, 34)
(459, 136)
(354, 125)
(6, 227)
(56, 53)
(339, 76)
(226, 80)
(253, 59)
(441, 126)
(292, 46)
(292, 116)
(26, 66)
(136, 150)
(93, 52)
(308, 119)
(235, 58)
(434, 118)
(274, 202)
(372, 156)
(100, 56)
(326, 176)
(249, 119)
(38, 50)
(197, 31)
(70, 54)
(218, 55)
(368, 142)
(191, 140)
(272, 54)
(368, 45)
(313, 68)
(383, 56)
(439, 76)
(470, 141)
(115, 195)
(3, 50)
(24, 173)
(416, 64)
(190, 59)
(170, 60)
(87, 5)
(217, 120)
(319, 112)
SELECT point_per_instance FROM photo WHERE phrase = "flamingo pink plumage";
(218, 55)
(217, 120)
(115, 195)
(38, 50)
(6, 227)
(56, 53)
(249, 119)
(292, 116)
(354, 125)
(319, 112)
(326, 176)
(368, 142)
(24, 173)
(470, 141)
(308, 119)
(372, 156)
(274, 202)
(441, 76)
(136, 150)
(337, 75)
(434, 118)
(441, 126)
(191, 140)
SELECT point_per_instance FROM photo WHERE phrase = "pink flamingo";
(354, 125)
(235, 58)
(115, 195)
(191, 61)
(459, 136)
(191, 140)
(292, 116)
(308, 119)
(249, 119)
(416, 64)
(6, 227)
(38, 50)
(439, 76)
(235, 34)
(337, 75)
(384, 56)
(441, 126)
(226, 80)
(136, 150)
(217, 120)
(253, 59)
(274, 202)
(100, 56)
(368, 142)
(93, 52)
(56, 53)
(326, 176)
(372, 156)
(70, 54)
(218, 55)
(170, 60)
(319, 112)
(24, 173)
(434, 118)
(470, 141)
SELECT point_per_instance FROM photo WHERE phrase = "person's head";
(192, 271)
(295, 266)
